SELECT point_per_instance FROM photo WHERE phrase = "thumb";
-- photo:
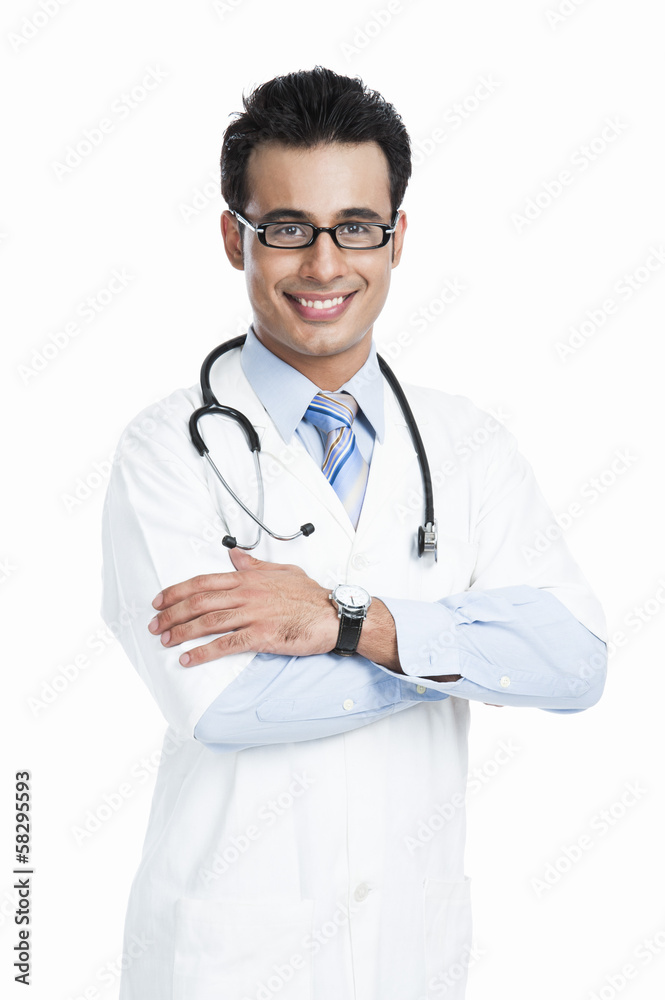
(242, 559)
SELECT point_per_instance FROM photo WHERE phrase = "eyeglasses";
(345, 235)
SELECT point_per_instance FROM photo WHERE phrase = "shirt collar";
(286, 393)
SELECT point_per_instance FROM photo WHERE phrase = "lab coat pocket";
(447, 911)
(242, 949)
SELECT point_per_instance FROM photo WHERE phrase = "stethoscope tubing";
(426, 476)
(211, 405)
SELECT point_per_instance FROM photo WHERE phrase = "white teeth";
(321, 303)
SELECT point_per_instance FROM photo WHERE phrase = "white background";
(146, 201)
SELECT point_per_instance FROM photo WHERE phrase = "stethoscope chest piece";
(428, 540)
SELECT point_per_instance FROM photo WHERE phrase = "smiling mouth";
(319, 303)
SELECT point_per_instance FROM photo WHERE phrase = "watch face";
(351, 595)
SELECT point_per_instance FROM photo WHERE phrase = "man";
(304, 749)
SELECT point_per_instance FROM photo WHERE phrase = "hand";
(264, 607)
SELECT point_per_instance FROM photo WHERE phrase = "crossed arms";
(258, 635)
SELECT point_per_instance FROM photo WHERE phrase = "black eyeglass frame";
(260, 231)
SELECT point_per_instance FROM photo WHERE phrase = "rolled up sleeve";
(512, 646)
(528, 630)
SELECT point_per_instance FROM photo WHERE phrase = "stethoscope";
(427, 533)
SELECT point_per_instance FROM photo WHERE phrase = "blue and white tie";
(343, 465)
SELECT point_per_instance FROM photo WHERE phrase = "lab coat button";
(361, 891)
(421, 689)
(360, 561)
(505, 682)
(348, 704)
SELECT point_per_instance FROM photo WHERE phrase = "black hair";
(304, 109)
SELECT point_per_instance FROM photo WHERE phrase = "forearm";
(378, 640)
(288, 699)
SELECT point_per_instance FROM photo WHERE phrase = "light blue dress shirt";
(285, 699)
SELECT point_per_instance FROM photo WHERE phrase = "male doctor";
(310, 737)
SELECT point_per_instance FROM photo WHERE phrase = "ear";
(232, 240)
(398, 238)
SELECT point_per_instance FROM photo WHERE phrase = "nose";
(323, 261)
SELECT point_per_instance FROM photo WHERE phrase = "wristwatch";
(352, 603)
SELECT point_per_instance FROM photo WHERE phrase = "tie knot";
(329, 410)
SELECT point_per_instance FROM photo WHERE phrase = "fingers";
(214, 581)
(216, 621)
(234, 603)
(206, 607)
(234, 642)
(181, 591)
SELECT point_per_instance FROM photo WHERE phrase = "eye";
(287, 229)
(354, 229)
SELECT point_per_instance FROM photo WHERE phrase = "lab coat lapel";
(295, 461)
(232, 388)
(394, 466)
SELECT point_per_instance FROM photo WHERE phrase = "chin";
(327, 341)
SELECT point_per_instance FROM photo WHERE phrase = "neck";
(327, 372)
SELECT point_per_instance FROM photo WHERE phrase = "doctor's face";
(323, 185)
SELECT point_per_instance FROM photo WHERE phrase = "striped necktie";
(343, 465)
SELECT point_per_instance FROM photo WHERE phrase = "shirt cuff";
(426, 638)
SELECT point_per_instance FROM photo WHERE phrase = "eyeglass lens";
(298, 234)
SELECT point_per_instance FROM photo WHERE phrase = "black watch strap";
(349, 635)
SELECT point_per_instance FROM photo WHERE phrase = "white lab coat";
(290, 870)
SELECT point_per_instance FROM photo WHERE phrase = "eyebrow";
(278, 214)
